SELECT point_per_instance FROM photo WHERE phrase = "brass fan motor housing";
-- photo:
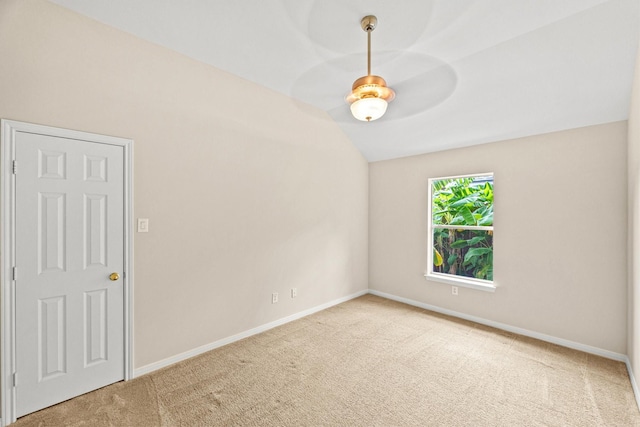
(370, 86)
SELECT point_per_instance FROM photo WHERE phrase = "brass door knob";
(114, 276)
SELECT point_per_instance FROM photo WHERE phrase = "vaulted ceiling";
(465, 72)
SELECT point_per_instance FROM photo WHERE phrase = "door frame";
(7, 251)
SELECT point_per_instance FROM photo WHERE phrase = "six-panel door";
(69, 239)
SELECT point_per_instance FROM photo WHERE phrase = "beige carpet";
(368, 362)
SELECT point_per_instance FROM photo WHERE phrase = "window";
(461, 231)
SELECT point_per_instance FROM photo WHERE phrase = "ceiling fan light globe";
(368, 109)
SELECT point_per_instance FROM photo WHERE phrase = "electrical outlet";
(294, 292)
(274, 298)
(454, 290)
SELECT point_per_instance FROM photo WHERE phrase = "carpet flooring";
(367, 362)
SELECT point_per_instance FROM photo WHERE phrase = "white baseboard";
(543, 337)
(224, 341)
(632, 378)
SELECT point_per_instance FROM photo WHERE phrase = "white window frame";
(433, 276)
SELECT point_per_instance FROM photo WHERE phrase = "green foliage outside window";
(464, 202)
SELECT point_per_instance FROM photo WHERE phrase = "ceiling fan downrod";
(369, 95)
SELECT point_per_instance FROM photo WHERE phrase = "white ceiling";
(465, 72)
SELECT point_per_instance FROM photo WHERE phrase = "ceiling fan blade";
(422, 92)
(414, 93)
(413, 96)
(318, 21)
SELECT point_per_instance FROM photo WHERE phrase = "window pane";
(467, 253)
(463, 201)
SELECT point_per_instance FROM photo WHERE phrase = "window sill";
(481, 285)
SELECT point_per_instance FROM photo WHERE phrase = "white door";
(69, 239)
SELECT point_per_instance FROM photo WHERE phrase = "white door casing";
(66, 203)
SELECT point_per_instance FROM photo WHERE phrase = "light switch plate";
(143, 225)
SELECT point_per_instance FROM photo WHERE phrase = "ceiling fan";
(369, 95)
(420, 82)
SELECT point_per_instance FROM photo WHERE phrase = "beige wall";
(560, 232)
(248, 198)
(634, 223)
(247, 192)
